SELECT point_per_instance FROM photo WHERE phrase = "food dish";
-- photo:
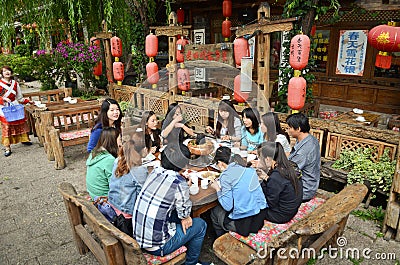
(210, 175)
(200, 149)
(358, 111)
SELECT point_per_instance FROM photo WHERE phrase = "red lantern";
(384, 38)
(241, 49)
(226, 29)
(297, 92)
(151, 45)
(239, 96)
(118, 71)
(180, 51)
(181, 16)
(313, 30)
(95, 42)
(227, 8)
(116, 47)
(183, 79)
(152, 73)
(383, 60)
(98, 69)
(299, 51)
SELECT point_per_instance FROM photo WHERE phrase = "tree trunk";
(308, 20)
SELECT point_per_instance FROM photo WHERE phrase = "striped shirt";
(163, 192)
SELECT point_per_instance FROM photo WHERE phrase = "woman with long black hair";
(282, 188)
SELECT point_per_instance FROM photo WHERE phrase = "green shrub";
(21, 65)
(362, 168)
(23, 50)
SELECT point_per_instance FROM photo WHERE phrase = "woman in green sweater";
(100, 163)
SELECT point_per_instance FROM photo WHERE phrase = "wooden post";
(106, 36)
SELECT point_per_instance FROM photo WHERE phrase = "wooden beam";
(171, 30)
(103, 35)
(266, 27)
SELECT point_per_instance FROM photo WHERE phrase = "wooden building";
(371, 88)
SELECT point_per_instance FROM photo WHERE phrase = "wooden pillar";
(108, 57)
(173, 68)
(263, 57)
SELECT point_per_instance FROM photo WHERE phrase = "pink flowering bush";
(66, 60)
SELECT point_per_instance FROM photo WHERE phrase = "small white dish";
(360, 119)
(67, 99)
(73, 101)
(358, 111)
(37, 102)
(251, 157)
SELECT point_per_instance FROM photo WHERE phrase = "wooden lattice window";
(155, 104)
(336, 143)
(195, 115)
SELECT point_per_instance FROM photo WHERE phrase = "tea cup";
(204, 184)
(193, 190)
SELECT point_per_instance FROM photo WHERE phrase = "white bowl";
(73, 101)
(358, 111)
(67, 99)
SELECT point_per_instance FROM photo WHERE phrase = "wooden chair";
(319, 228)
(93, 232)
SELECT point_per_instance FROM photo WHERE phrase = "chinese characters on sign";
(199, 36)
(351, 54)
(199, 74)
(208, 52)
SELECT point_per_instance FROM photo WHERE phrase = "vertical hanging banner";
(351, 53)
(199, 36)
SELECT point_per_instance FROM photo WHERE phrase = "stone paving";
(35, 229)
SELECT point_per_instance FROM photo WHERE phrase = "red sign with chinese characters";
(221, 52)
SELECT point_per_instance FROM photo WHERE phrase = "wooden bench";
(48, 96)
(93, 232)
(319, 228)
(67, 127)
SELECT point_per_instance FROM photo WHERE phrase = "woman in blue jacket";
(128, 177)
(242, 201)
(110, 116)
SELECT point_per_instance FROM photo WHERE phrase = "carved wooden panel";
(195, 115)
(336, 143)
(156, 104)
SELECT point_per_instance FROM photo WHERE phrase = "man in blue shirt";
(305, 153)
(161, 216)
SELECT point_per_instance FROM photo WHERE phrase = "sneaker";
(7, 153)
(27, 143)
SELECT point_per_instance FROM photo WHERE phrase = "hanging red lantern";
(226, 29)
(118, 72)
(240, 97)
(180, 51)
(241, 49)
(313, 30)
(116, 47)
(98, 69)
(183, 79)
(386, 39)
(383, 60)
(151, 45)
(299, 51)
(227, 8)
(152, 74)
(180, 13)
(297, 92)
(95, 42)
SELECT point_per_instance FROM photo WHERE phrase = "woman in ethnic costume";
(16, 131)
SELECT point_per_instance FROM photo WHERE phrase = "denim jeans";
(193, 240)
